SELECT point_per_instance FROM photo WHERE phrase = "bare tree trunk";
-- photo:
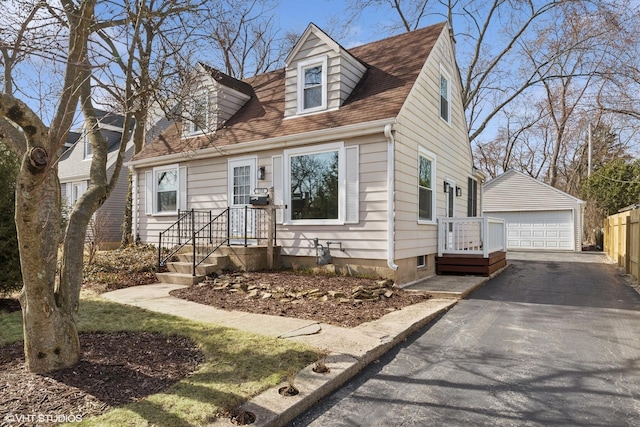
(50, 334)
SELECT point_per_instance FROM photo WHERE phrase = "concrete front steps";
(180, 271)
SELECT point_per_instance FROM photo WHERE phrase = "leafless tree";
(244, 39)
(93, 67)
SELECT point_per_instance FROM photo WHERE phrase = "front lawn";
(234, 366)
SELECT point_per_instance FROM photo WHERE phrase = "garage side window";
(426, 180)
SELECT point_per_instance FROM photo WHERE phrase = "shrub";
(10, 274)
(120, 268)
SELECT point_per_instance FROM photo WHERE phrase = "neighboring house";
(537, 216)
(73, 172)
(366, 147)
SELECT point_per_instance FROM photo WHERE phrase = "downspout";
(391, 175)
(134, 203)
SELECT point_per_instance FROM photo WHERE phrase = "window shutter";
(277, 174)
(182, 193)
(353, 184)
(148, 194)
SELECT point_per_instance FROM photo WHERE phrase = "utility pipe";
(391, 175)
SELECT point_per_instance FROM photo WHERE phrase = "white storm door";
(242, 182)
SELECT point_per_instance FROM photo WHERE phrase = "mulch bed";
(337, 300)
(122, 367)
(116, 368)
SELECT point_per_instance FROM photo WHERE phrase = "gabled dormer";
(320, 74)
(212, 99)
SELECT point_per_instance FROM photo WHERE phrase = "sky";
(295, 16)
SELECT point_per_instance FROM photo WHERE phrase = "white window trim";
(189, 131)
(154, 174)
(342, 185)
(431, 156)
(302, 66)
(447, 76)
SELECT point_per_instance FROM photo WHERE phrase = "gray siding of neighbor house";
(75, 169)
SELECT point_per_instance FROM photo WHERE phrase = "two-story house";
(74, 174)
(364, 148)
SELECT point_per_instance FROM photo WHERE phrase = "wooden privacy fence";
(622, 240)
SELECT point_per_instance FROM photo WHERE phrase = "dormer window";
(312, 85)
(198, 114)
(88, 148)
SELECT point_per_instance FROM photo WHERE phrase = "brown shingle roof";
(393, 64)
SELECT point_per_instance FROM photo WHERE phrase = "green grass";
(237, 366)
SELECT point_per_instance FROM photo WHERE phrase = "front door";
(451, 199)
(242, 182)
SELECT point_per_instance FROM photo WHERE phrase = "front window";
(312, 85)
(316, 191)
(445, 96)
(314, 186)
(166, 182)
(426, 180)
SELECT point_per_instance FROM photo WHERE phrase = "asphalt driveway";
(553, 340)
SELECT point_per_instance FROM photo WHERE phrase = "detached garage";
(537, 216)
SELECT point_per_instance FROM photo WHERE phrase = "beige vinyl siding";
(368, 237)
(207, 189)
(420, 125)
(351, 71)
(229, 101)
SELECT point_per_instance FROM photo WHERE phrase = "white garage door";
(551, 230)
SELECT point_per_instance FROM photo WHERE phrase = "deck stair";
(180, 271)
(471, 264)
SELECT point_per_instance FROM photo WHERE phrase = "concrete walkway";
(350, 349)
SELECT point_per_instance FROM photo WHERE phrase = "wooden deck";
(471, 264)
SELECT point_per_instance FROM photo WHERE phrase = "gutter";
(280, 142)
(391, 175)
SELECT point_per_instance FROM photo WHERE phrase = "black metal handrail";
(180, 233)
(206, 232)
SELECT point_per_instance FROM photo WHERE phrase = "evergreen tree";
(614, 186)
(10, 276)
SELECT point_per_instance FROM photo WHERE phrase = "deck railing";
(471, 236)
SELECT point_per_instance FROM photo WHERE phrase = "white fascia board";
(287, 141)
